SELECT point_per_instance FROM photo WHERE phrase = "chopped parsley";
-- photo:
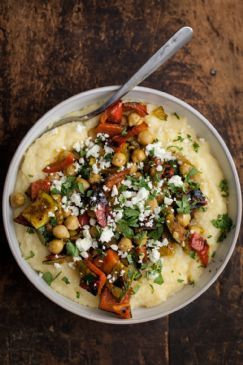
(72, 250)
(176, 115)
(30, 230)
(177, 147)
(31, 254)
(224, 224)
(152, 288)
(224, 188)
(77, 294)
(49, 278)
(66, 280)
(179, 139)
(53, 221)
(124, 131)
(183, 205)
(136, 288)
(180, 280)
(195, 146)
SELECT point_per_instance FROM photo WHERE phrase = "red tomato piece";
(39, 185)
(61, 164)
(83, 219)
(200, 245)
(100, 213)
(115, 112)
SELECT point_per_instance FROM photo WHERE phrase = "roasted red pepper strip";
(200, 245)
(112, 114)
(131, 133)
(60, 165)
(101, 276)
(39, 185)
(110, 304)
(116, 178)
(83, 219)
(111, 129)
(115, 112)
(139, 108)
(110, 260)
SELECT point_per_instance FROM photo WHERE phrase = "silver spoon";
(178, 40)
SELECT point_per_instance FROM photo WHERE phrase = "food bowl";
(204, 129)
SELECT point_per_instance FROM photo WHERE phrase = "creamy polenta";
(168, 251)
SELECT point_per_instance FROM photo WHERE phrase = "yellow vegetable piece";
(37, 212)
(160, 113)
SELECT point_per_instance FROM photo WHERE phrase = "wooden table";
(51, 50)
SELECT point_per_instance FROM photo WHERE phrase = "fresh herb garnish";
(177, 147)
(30, 230)
(71, 249)
(152, 288)
(81, 187)
(176, 115)
(179, 139)
(124, 131)
(183, 205)
(31, 254)
(224, 188)
(55, 191)
(53, 221)
(135, 289)
(195, 146)
(77, 294)
(49, 278)
(224, 224)
(66, 280)
(82, 153)
(108, 157)
(180, 280)
(193, 254)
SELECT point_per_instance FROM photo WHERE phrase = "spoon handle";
(178, 40)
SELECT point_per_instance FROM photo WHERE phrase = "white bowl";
(218, 148)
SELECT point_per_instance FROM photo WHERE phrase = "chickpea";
(134, 119)
(66, 213)
(92, 161)
(94, 178)
(133, 168)
(125, 244)
(145, 137)
(152, 204)
(70, 170)
(56, 246)
(138, 155)
(119, 159)
(60, 231)
(17, 200)
(84, 182)
(184, 219)
(72, 223)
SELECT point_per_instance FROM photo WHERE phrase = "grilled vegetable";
(37, 212)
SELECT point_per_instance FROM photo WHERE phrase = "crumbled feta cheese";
(106, 235)
(93, 151)
(108, 149)
(95, 168)
(84, 254)
(105, 188)
(57, 265)
(76, 199)
(114, 247)
(175, 180)
(158, 151)
(74, 210)
(142, 195)
(127, 183)
(154, 255)
(92, 221)
(168, 201)
(72, 265)
(77, 146)
(114, 191)
(76, 258)
(159, 168)
(84, 244)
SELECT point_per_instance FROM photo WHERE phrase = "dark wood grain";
(51, 50)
